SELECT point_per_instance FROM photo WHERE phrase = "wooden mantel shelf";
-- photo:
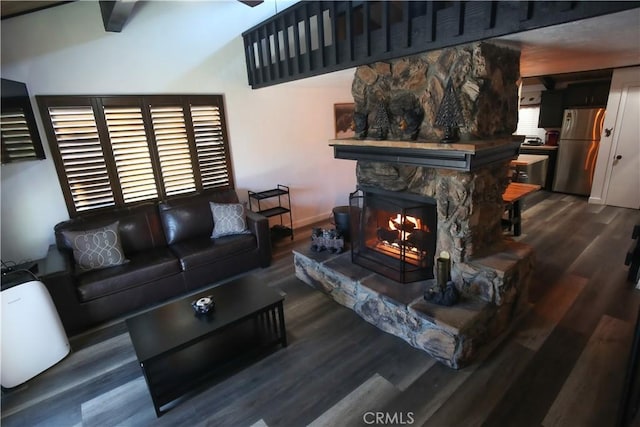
(463, 155)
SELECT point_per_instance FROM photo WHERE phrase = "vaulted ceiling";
(600, 43)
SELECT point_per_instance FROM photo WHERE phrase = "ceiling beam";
(115, 13)
(548, 82)
(251, 3)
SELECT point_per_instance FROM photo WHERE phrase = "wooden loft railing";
(318, 37)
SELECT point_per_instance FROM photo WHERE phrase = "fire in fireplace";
(393, 233)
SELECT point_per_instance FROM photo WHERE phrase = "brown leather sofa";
(170, 252)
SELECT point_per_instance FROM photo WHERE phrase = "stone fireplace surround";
(491, 272)
(466, 179)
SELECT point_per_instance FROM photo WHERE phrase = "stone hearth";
(452, 335)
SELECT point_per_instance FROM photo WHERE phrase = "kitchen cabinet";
(592, 94)
(551, 108)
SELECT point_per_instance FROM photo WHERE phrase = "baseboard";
(596, 201)
(323, 217)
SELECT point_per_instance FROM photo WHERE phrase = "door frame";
(621, 79)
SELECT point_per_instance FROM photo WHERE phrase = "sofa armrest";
(57, 275)
(259, 225)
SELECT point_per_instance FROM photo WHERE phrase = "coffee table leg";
(153, 398)
(283, 329)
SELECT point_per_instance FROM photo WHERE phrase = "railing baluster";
(296, 39)
(269, 63)
(334, 31)
(307, 35)
(492, 11)
(526, 10)
(320, 14)
(251, 63)
(261, 60)
(366, 27)
(276, 47)
(458, 8)
(349, 35)
(430, 18)
(406, 25)
(385, 26)
(285, 35)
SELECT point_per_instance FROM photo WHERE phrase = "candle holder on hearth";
(449, 116)
(444, 292)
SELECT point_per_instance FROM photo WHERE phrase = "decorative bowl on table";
(203, 305)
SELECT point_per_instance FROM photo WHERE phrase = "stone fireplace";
(463, 182)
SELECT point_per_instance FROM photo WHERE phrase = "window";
(19, 138)
(528, 122)
(113, 151)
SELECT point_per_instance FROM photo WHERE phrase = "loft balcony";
(318, 37)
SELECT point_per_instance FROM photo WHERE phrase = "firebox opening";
(393, 233)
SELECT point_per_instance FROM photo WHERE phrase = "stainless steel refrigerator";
(578, 150)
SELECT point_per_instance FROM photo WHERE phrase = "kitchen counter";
(528, 159)
(548, 150)
(539, 147)
(531, 169)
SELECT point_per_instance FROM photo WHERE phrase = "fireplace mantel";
(460, 156)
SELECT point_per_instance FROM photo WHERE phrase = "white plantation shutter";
(210, 145)
(16, 138)
(131, 153)
(173, 149)
(82, 158)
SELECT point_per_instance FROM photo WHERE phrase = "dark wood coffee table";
(178, 350)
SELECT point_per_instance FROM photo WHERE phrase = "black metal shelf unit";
(283, 209)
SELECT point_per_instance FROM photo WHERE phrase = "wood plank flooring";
(563, 364)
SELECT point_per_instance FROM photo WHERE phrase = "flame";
(410, 223)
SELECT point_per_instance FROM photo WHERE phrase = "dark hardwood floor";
(563, 364)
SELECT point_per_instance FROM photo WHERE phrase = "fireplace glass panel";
(393, 234)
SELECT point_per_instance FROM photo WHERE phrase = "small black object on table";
(178, 348)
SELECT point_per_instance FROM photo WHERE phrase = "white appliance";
(33, 338)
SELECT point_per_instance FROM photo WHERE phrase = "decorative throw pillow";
(228, 218)
(97, 248)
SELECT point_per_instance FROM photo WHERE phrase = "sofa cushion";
(140, 228)
(196, 252)
(96, 248)
(142, 268)
(228, 219)
(190, 217)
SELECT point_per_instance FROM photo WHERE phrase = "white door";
(624, 182)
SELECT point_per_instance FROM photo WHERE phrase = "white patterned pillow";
(97, 248)
(228, 218)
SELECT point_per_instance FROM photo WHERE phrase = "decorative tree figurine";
(449, 115)
(380, 127)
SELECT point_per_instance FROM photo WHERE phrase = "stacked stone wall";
(484, 76)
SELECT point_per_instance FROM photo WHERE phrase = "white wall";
(278, 135)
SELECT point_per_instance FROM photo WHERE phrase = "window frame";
(98, 103)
